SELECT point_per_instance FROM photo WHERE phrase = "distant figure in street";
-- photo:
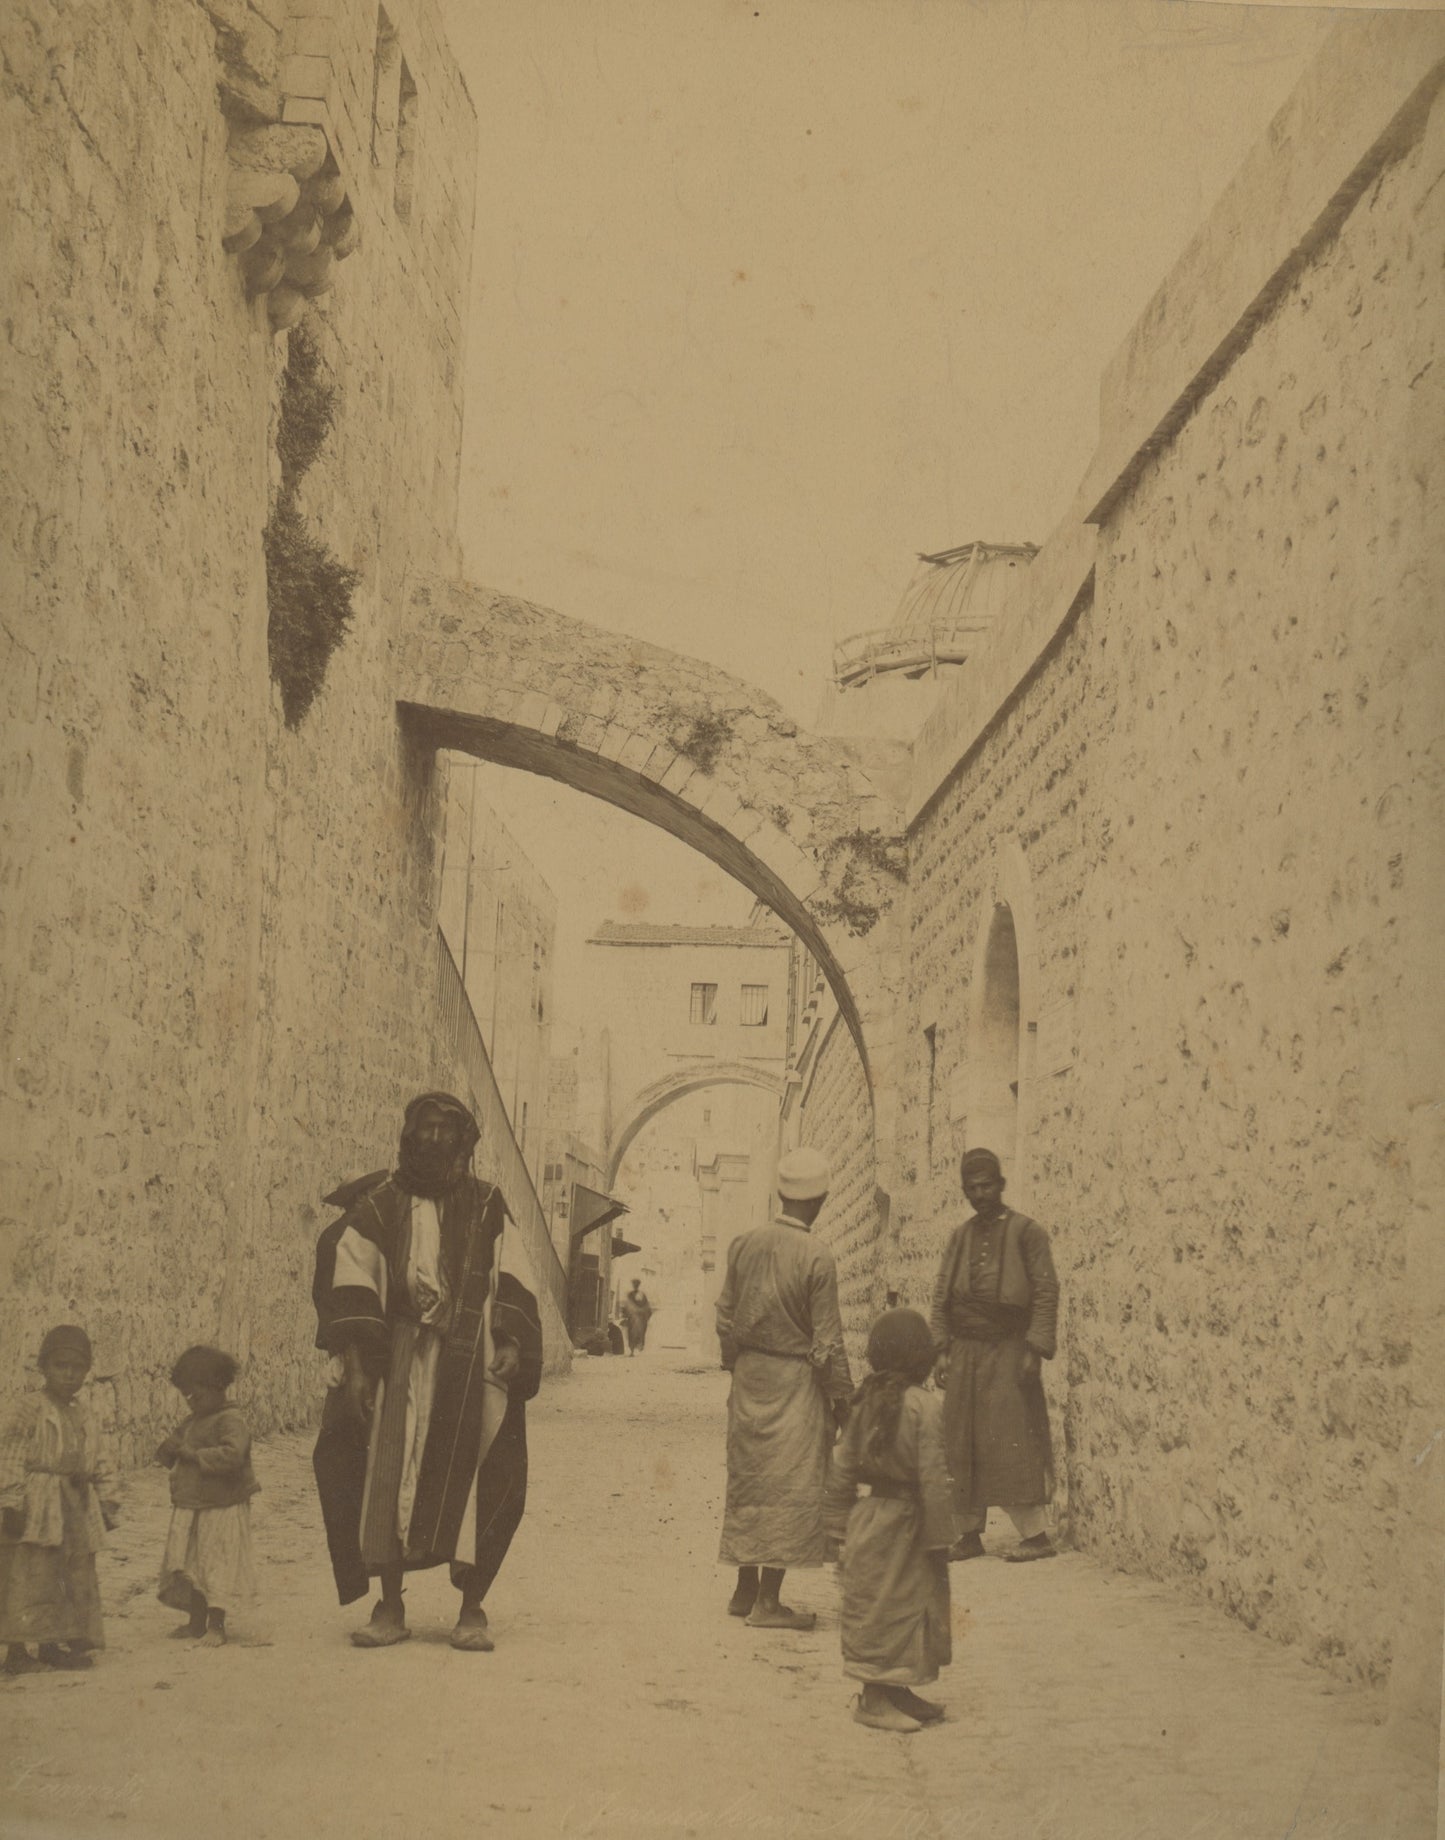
(636, 1313)
(422, 1457)
(895, 1540)
(207, 1568)
(57, 1500)
(614, 1337)
(994, 1320)
(782, 1339)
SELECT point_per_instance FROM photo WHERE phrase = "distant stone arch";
(645, 1105)
(703, 755)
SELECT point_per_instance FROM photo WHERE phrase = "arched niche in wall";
(1003, 1017)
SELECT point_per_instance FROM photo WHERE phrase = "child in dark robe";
(57, 1498)
(208, 1568)
(895, 1539)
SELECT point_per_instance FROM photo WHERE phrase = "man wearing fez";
(994, 1320)
(422, 1457)
(782, 1339)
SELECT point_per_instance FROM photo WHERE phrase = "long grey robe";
(996, 1295)
(782, 1338)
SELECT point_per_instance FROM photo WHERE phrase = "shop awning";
(591, 1210)
(621, 1247)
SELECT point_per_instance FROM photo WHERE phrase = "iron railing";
(499, 1156)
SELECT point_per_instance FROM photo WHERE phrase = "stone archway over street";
(703, 755)
(644, 1106)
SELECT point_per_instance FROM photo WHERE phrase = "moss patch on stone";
(699, 736)
(309, 596)
(860, 893)
(308, 590)
(308, 407)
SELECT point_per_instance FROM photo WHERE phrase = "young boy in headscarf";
(895, 1539)
(57, 1498)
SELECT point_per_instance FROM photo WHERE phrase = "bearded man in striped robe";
(422, 1456)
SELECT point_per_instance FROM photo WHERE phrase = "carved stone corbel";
(288, 216)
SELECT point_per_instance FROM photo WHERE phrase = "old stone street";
(865, 582)
(621, 1700)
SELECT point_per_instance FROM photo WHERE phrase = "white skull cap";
(803, 1175)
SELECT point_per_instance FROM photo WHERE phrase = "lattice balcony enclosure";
(953, 598)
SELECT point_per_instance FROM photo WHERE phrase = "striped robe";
(440, 1475)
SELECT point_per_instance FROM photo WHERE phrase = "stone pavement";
(621, 1700)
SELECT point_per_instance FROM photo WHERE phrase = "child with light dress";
(57, 1500)
(895, 1539)
(208, 1567)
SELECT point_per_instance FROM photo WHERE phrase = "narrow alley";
(621, 1700)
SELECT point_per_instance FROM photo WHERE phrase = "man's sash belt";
(886, 1488)
(975, 1321)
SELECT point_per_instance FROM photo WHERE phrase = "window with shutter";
(755, 1005)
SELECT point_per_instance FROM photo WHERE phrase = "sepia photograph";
(721, 864)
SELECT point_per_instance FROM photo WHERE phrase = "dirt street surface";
(621, 1700)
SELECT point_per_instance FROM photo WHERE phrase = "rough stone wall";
(837, 1119)
(135, 687)
(499, 918)
(1275, 655)
(561, 1125)
(1222, 782)
(346, 968)
(1026, 785)
(178, 862)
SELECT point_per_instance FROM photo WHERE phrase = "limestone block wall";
(135, 685)
(1266, 869)
(1021, 797)
(837, 1119)
(499, 918)
(181, 865)
(351, 867)
(1214, 807)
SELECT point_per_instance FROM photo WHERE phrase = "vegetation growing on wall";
(308, 407)
(699, 736)
(308, 591)
(860, 893)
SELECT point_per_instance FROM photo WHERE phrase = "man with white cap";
(782, 1341)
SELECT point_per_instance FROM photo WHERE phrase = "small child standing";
(895, 1540)
(207, 1568)
(57, 1498)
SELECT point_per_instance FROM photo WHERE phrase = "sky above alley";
(770, 295)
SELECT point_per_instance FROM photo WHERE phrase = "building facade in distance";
(682, 1062)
